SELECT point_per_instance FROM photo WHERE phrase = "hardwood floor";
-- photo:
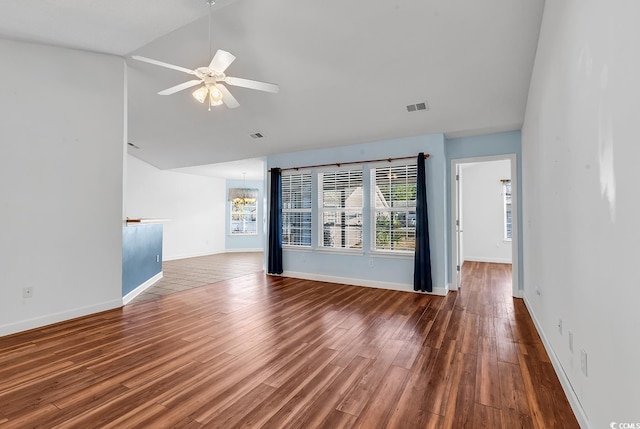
(258, 351)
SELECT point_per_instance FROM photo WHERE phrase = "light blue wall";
(479, 146)
(245, 242)
(141, 254)
(385, 269)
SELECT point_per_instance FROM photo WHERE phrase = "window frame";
(298, 210)
(375, 210)
(507, 200)
(350, 212)
(243, 213)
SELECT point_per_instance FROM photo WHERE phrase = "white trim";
(50, 319)
(485, 259)
(399, 254)
(361, 282)
(144, 286)
(517, 288)
(252, 250)
(339, 250)
(191, 255)
(557, 366)
(287, 247)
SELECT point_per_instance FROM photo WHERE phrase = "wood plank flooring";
(268, 352)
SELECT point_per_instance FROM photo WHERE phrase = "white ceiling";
(346, 69)
(244, 169)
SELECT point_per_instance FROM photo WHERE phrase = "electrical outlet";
(157, 258)
(538, 291)
(560, 325)
(371, 262)
(570, 341)
(583, 362)
(27, 292)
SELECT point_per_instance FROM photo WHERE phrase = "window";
(394, 212)
(506, 194)
(244, 211)
(340, 206)
(296, 209)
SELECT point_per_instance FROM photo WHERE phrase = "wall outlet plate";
(583, 362)
(560, 325)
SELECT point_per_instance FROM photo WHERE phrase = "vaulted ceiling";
(346, 69)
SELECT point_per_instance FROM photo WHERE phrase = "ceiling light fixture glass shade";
(216, 96)
(210, 92)
(200, 94)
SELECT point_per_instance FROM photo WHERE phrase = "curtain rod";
(338, 164)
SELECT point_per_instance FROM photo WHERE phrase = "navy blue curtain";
(422, 265)
(275, 223)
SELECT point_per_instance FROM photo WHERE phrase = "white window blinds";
(340, 197)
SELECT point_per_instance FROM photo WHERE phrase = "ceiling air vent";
(417, 106)
(256, 136)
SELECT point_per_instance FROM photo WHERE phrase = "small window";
(506, 194)
(394, 190)
(296, 209)
(244, 211)
(340, 205)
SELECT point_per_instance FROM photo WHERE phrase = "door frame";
(515, 198)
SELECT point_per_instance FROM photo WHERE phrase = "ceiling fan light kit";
(211, 77)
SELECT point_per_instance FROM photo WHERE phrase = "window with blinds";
(340, 209)
(506, 193)
(394, 207)
(296, 209)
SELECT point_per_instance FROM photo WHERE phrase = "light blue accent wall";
(245, 242)
(141, 254)
(385, 268)
(478, 146)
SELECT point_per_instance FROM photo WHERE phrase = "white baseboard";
(255, 250)
(190, 255)
(137, 291)
(50, 319)
(490, 260)
(583, 421)
(361, 282)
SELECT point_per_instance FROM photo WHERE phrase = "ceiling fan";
(212, 77)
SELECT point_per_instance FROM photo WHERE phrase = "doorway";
(503, 245)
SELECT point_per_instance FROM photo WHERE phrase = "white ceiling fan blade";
(161, 64)
(227, 98)
(221, 60)
(180, 87)
(252, 84)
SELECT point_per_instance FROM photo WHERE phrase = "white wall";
(195, 205)
(62, 147)
(483, 212)
(581, 202)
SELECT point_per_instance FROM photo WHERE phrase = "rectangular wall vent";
(256, 136)
(418, 106)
